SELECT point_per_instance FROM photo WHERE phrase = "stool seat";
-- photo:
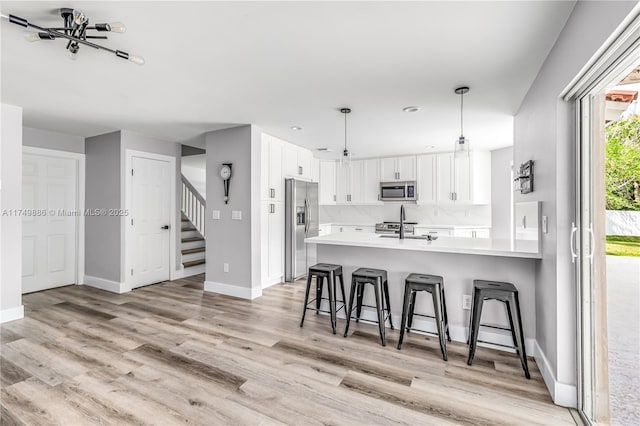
(369, 273)
(506, 293)
(326, 268)
(424, 279)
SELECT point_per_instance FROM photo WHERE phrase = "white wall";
(11, 225)
(501, 192)
(52, 140)
(544, 133)
(236, 242)
(194, 168)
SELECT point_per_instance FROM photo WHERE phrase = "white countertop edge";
(421, 245)
(419, 225)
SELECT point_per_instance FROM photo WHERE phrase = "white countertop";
(419, 225)
(477, 246)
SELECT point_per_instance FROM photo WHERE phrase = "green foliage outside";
(618, 245)
(623, 164)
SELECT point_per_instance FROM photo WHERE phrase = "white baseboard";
(176, 275)
(11, 314)
(270, 283)
(108, 285)
(562, 394)
(232, 290)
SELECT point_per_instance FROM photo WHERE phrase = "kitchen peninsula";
(458, 260)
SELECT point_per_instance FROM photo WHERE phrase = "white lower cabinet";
(272, 243)
(440, 232)
(472, 233)
(353, 228)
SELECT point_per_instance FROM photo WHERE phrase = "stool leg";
(444, 312)
(405, 312)
(520, 334)
(386, 297)
(331, 284)
(437, 309)
(513, 328)
(378, 289)
(475, 326)
(412, 306)
(344, 296)
(359, 304)
(306, 299)
(469, 328)
(319, 284)
(352, 297)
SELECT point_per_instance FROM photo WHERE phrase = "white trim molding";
(80, 195)
(232, 290)
(107, 285)
(562, 394)
(11, 314)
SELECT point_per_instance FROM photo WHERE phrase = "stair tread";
(192, 239)
(188, 229)
(194, 263)
(193, 250)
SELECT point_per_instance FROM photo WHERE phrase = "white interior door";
(49, 199)
(150, 218)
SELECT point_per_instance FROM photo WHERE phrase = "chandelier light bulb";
(79, 17)
(31, 36)
(138, 60)
(73, 55)
(117, 27)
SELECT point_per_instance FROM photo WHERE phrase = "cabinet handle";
(358, 229)
(334, 197)
(379, 197)
(473, 234)
(300, 170)
(272, 208)
(272, 193)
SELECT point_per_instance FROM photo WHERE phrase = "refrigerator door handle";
(306, 217)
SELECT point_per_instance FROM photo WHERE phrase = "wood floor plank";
(173, 354)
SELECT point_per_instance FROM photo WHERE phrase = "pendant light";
(345, 159)
(462, 143)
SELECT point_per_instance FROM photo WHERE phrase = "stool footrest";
(498, 344)
(496, 327)
(326, 312)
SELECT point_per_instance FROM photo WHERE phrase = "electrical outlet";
(216, 215)
(466, 302)
(236, 215)
(225, 267)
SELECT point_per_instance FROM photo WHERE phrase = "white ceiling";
(211, 65)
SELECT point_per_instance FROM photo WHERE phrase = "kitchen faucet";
(403, 217)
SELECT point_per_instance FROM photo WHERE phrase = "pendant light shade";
(462, 144)
(345, 158)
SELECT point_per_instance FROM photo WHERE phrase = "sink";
(411, 237)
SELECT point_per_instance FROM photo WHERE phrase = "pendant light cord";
(345, 133)
(461, 114)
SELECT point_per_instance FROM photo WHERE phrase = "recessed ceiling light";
(411, 109)
(324, 149)
(430, 146)
(296, 128)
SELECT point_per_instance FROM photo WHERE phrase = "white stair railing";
(193, 205)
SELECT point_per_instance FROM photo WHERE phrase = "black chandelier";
(75, 28)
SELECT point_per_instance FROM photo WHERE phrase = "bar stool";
(508, 294)
(330, 272)
(378, 279)
(433, 284)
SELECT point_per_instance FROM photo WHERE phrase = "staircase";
(193, 237)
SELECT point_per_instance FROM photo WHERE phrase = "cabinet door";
(264, 241)
(265, 160)
(276, 178)
(388, 171)
(276, 242)
(427, 179)
(290, 166)
(315, 170)
(356, 195)
(462, 186)
(343, 179)
(327, 184)
(406, 168)
(371, 181)
(445, 178)
(304, 163)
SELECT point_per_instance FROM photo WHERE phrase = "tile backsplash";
(433, 215)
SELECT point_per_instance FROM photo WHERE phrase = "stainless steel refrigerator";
(301, 221)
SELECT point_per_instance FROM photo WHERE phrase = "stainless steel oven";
(398, 191)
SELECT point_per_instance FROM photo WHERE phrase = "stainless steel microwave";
(398, 191)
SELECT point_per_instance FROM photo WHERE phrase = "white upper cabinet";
(397, 169)
(371, 181)
(315, 170)
(464, 179)
(272, 180)
(327, 183)
(427, 179)
(297, 162)
(349, 183)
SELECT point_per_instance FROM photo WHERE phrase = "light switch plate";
(225, 267)
(236, 215)
(545, 227)
(216, 215)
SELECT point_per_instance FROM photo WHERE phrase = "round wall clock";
(225, 174)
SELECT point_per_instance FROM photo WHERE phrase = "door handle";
(165, 227)
(592, 239)
(574, 255)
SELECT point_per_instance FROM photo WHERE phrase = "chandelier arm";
(59, 34)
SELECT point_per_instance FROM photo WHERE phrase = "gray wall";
(501, 192)
(544, 133)
(102, 233)
(11, 198)
(233, 241)
(52, 140)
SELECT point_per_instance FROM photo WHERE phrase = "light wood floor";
(171, 354)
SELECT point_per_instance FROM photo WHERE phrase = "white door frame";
(80, 184)
(127, 232)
